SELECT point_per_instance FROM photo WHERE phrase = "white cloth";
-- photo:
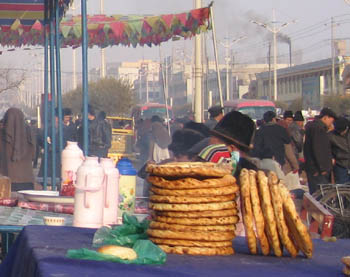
(160, 154)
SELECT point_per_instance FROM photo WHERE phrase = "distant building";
(315, 76)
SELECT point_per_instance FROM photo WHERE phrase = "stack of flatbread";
(269, 216)
(194, 208)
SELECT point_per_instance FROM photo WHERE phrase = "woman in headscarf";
(17, 150)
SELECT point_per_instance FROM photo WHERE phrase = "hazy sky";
(310, 34)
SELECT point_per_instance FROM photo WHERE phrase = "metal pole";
(216, 56)
(227, 81)
(58, 77)
(85, 77)
(53, 104)
(198, 73)
(332, 55)
(46, 93)
(165, 87)
(103, 55)
(274, 57)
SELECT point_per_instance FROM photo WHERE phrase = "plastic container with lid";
(127, 188)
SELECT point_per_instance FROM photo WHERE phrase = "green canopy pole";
(46, 93)
(85, 77)
(58, 77)
(52, 88)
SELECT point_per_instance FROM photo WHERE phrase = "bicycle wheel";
(331, 202)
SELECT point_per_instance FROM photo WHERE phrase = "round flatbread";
(346, 260)
(231, 189)
(298, 230)
(220, 213)
(192, 183)
(192, 207)
(192, 243)
(258, 215)
(191, 199)
(200, 228)
(278, 210)
(199, 221)
(247, 212)
(201, 236)
(189, 169)
(269, 216)
(198, 251)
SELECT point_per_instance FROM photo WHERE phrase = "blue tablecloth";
(41, 250)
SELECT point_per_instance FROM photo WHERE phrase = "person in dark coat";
(69, 128)
(17, 150)
(317, 149)
(272, 141)
(216, 115)
(340, 145)
(297, 133)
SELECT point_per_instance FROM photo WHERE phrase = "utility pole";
(228, 46)
(74, 58)
(198, 73)
(332, 55)
(274, 30)
(103, 57)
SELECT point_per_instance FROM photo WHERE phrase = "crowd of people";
(21, 144)
(319, 149)
(290, 146)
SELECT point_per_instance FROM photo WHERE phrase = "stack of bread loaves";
(194, 208)
(266, 203)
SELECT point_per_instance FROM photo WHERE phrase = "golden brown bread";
(191, 199)
(200, 251)
(298, 230)
(269, 216)
(258, 215)
(220, 213)
(231, 189)
(346, 260)
(192, 243)
(192, 183)
(199, 221)
(247, 212)
(189, 169)
(121, 252)
(194, 228)
(192, 207)
(202, 236)
(277, 204)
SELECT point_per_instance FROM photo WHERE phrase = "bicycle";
(336, 199)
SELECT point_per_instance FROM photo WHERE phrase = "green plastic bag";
(131, 234)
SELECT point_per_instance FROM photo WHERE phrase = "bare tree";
(10, 79)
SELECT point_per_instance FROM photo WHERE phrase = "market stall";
(41, 251)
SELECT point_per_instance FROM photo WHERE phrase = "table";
(12, 220)
(40, 251)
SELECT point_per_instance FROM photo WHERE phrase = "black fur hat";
(183, 140)
(236, 128)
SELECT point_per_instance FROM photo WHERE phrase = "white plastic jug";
(89, 197)
(72, 157)
(111, 191)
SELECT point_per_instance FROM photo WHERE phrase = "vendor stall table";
(40, 251)
(12, 220)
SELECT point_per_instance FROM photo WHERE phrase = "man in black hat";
(215, 116)
(287, 119)
(340, 145)
(231, 137)
(317, 149)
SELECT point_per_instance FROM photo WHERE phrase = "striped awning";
(24, 13)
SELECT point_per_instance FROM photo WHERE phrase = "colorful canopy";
(16, 14)
(106, 31)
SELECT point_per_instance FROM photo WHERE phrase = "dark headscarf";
(17, 133)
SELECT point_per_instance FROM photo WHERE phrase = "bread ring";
(191, 199)
(199, 221)
(192, 243)
(201, 228)
(192, 207)
(192, 183)
(200, 251)
(231, 189)
(220, 213)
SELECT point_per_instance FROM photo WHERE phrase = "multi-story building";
(292, 82)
